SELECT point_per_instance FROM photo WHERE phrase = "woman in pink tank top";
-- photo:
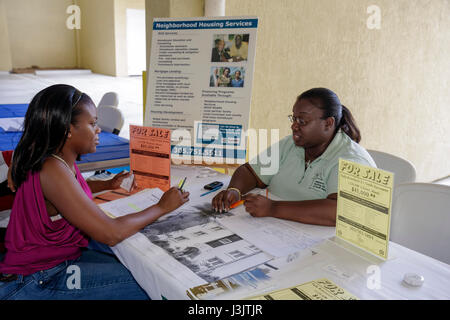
(53, 216)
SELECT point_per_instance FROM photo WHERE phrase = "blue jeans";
(93, 276)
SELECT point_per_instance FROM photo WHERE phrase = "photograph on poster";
(227, 77)
(194, 239)
(229, 47)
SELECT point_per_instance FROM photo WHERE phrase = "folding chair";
(404, 170)
(109, 99)
(110, 119)
(421, 218)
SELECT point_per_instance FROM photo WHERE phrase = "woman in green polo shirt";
(323, 130)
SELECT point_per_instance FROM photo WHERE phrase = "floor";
(21, 88)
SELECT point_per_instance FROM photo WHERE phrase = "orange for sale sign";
(150, 157)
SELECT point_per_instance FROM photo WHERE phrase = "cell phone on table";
(213, 185)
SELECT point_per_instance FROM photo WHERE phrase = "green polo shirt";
(293, 183)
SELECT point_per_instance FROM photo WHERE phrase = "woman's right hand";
(173, 199)
(224, 199)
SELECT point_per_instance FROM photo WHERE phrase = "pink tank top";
(33, 241)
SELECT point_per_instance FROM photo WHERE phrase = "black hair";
(46, 127)
(328, 101)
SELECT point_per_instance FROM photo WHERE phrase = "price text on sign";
(364, 206)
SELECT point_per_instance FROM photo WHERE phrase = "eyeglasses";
(301, 122)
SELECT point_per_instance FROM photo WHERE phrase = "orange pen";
(236, 204)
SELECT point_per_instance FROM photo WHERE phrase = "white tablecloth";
(361, 274)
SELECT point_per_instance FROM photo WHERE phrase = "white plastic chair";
(110, 119)
(421, 219)
(404, 171)
(109, 99)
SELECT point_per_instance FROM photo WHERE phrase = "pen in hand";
(236, 204)
(181, 184)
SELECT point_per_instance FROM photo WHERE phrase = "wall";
(97, 43)
(120, 14)
(103, 35)
(186, 8)
(37, 34)
(5, 50)
(395, 80)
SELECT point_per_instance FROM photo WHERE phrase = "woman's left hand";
(115, 182)
(257, 205)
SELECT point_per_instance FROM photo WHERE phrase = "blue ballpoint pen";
(215, 189)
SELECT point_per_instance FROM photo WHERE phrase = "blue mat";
(111, 146)
(13, 110)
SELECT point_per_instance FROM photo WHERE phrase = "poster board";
(364, 207)
(199, 86)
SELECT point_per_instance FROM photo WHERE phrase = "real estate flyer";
(321, 289)
(150, 157)
(364, 206)
(199, 85)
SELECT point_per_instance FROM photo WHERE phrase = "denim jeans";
(93, 276)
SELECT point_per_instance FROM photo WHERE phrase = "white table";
(366, 278)
(160, 275)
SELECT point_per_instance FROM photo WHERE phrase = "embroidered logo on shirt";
(318, 183)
